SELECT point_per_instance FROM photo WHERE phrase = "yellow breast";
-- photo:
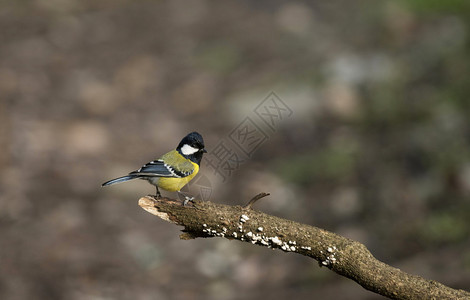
(176, 184)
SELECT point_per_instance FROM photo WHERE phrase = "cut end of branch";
(148, 204)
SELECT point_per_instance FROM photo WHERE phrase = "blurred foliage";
(222, 58)
(445, 227)
(438, 7)
(327, 164)
(377, 147)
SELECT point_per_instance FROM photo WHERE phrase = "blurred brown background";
(376, 148)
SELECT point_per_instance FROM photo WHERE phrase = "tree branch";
(343, 256)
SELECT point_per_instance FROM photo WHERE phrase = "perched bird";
(174, 169)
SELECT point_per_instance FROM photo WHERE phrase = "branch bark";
(343, 256)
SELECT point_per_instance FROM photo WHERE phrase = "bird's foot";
(187, 200)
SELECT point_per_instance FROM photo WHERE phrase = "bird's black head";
(192, 147)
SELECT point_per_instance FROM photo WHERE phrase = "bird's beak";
(204, 151)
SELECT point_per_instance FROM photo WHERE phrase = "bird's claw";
(187, 199)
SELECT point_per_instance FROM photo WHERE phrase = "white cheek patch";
(188, 150)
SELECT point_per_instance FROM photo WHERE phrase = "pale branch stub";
(343, 256)
(254, 199)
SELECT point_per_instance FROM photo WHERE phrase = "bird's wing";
(171, 164)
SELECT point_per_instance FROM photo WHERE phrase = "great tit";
(173, 170)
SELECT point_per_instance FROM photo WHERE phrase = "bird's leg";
(158, 195)
(186, 198)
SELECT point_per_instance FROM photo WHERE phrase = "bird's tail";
(120, 179)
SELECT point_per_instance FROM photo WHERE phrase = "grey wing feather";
(158, 168)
